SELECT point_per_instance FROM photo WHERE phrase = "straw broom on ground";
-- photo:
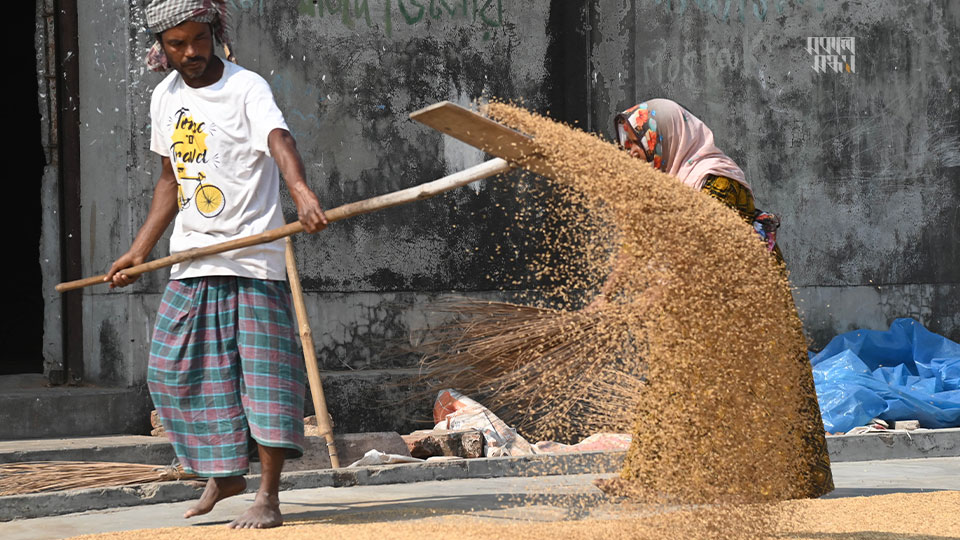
(40, 476)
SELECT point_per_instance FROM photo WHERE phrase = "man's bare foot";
(217, 490)
(264, 514)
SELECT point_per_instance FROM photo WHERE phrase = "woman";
(674, 141)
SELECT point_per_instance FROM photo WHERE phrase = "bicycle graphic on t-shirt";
(207, 198)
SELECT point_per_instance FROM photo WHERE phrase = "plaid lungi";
(225, 366)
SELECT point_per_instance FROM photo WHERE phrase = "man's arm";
(163, 209)
(284, 150)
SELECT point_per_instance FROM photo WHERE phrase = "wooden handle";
(310, 356)
(416, 193)
(190, 254)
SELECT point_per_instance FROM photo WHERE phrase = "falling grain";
(696, 347)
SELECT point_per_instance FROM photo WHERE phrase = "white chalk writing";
(833, 54)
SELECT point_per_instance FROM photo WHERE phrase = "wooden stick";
(416, 193)
(310, 356)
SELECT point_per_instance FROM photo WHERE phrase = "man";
(224, 371)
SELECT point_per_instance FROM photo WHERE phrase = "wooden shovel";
(416, 193)
(512, 148)
(310, 356)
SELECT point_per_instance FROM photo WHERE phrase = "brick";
(467, 443)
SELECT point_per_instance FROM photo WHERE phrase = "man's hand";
(118, 278)
(163, 208)
(308, 210)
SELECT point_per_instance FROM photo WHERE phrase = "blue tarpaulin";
(905, 373)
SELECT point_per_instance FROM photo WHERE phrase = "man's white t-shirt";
(216, 139)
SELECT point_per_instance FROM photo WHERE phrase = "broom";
(40, 476)
(543, 367)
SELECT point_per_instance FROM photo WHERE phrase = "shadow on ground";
(840, 493)
(512, 507)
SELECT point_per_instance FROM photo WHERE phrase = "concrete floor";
(547, 498)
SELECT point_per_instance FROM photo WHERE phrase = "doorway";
(22, 328)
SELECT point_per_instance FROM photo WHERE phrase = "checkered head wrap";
(165, 14)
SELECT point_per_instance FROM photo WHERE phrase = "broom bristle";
(40, 476)
(539, 368)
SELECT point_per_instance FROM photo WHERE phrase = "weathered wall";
(117, 176)
(863, 167)
(49, 189)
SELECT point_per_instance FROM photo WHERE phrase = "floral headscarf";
(675, 142)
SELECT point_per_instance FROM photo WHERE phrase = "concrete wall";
(117, 174)
(863, 167)
(49, 188)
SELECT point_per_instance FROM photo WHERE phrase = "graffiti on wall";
(247, 5)
(486, 15)
(691, 66)
(836, 54)
(741, 9)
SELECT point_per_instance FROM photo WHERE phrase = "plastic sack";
(598, 442)
(453, 410)
(905, 373)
